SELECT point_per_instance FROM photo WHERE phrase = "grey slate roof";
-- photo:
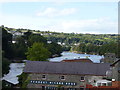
(66, 68)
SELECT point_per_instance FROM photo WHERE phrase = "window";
(62, 77)
(43, 76)
(82, 79)
(71, 89)
(36, 81)
(98, 84)
(110, 84)
(74, 83)
(51, 88)
(104, 84)
(31, 81)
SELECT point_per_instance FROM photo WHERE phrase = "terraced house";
(70, 75)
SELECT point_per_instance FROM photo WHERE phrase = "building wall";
(116, 84)
(91, 80)
(116, 74)
(118, 71)
(68, 78)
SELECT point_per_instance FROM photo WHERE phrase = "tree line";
(111, 47)
(73, 38)
(28, 46)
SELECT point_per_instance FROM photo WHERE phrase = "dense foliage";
(5, 66)
(27, 43)
(82, 43)
(23, 80)
(37, 52)
(111, 47)
(7, 43)
(6, 51)
(23, 43)
(57, 48)
(72, 38)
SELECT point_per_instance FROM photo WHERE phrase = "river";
(71, 55)
(17, 68)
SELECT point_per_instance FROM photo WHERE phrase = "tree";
(54, 48)
(27, 34)
(7, 43)
(23, 80)
(5, 65)
(38, 52)
(19, 48)
(36, 38)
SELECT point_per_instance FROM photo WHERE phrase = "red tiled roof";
(90, 87)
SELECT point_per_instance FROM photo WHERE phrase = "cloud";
(96, 26)
(52, 12)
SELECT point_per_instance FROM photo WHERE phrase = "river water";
(17, 68)
(71, 55)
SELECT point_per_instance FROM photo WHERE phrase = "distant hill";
(69, 39)
(77, 42)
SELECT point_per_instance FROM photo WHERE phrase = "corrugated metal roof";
(66, 68)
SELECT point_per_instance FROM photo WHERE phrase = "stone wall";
(68, 78)
(116, 73)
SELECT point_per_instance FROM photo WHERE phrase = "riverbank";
(55, 55)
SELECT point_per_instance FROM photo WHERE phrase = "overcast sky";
(77, 17)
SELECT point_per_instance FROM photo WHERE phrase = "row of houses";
(72, 75)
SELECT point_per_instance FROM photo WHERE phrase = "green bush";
(23, 80)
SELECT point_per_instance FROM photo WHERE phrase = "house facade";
(61, 81)
(71, 75)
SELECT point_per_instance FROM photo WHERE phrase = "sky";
(67, 17)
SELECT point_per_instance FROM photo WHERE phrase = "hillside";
(82, 43)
